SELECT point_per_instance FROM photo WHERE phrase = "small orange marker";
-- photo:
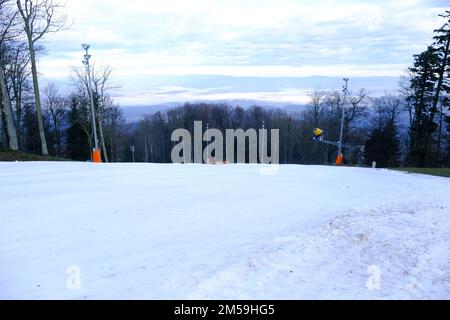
(96, 156)
(339, 160)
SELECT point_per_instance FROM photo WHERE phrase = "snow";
(167, 231)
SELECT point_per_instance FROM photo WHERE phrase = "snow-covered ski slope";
(156, 231)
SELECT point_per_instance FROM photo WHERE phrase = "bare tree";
(7, 20)
(40, 17)
(56, 106)
(383, 144)
(316, 110)
(114, 122)
(387, 109)
(101, 77)
(101, 85)
(80, 113)
(405, 92)
(355, 109)
(18, 78)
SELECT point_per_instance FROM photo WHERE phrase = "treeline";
(152, 136)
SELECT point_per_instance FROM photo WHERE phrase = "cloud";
(148, 90)
(264, 38)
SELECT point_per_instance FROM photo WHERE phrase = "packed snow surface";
(164, 231)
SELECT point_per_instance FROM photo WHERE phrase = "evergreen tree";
(77, 144)
(429, 88)
(383, 146)
(422, 87)
(442, 90)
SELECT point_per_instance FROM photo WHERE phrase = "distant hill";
(135, 113)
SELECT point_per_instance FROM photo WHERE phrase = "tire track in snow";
(409, 242)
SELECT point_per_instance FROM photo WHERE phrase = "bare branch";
(41, 17)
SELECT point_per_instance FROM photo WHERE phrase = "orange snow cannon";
(96, 156)
(340, 160)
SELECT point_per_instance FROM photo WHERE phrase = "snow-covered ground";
(226, 231)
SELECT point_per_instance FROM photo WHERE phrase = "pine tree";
(422, 87)
(440, 100)
(383, 145)
(31, 130)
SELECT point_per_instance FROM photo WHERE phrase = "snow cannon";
(318, 134)
(96, 156)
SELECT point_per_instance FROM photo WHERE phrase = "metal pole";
(207, 143)
(91, 98)
(263, 143)
(343, 115)
(132, 149)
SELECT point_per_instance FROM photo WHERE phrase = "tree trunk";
(145, 150)
(440, 135)
(111, 148)
(102, 139)
(37, 97)
(9, 119)
(4, 132)
(57, 134)
(441, 77)
(18, 105)
(436, 97)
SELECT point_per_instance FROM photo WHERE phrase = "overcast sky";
(153, 46)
